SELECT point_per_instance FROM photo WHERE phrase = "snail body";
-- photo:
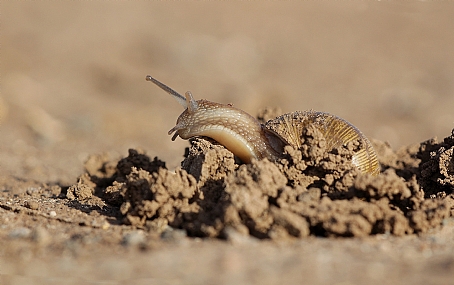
(248, 139)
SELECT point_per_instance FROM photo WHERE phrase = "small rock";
(32, 205)
(52, 214)
(33, 190)
(55, 190)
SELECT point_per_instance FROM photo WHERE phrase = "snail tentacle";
(191, 103)
(180, 99)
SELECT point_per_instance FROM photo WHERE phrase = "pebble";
(33, 190)
(52, 214)
(33, 205)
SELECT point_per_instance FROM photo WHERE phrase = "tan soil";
(92, 191)
(137, 203)
(312, 190)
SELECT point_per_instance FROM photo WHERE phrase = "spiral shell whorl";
(335, 130)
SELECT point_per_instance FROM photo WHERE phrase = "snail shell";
(335, 130)
(243, 135)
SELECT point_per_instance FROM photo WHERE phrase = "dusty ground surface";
(83, 200)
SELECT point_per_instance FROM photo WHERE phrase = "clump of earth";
(311, 191)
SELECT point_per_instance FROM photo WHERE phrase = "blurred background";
(73, 73)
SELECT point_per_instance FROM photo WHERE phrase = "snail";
(247, 138)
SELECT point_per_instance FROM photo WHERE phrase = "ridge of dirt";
(311, 191)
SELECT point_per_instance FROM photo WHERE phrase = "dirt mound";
(311, 191)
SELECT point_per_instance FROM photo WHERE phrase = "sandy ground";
(73, 86)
